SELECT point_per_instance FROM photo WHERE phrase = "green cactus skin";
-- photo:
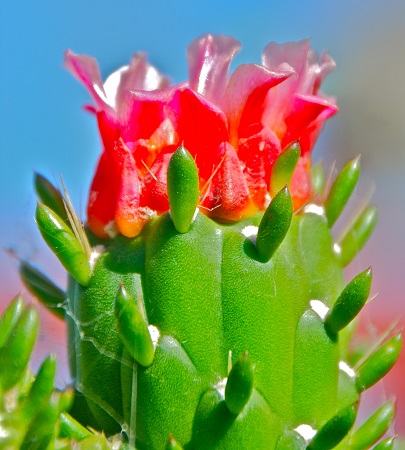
(217, 305)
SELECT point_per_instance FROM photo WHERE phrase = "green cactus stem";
(203, 335)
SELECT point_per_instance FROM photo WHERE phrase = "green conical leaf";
(334, 430)
(240, 384)
(350, 302)
(341, 190)
(17, 349)
(318, 178)
(358, 234)
(42, 429)
(70, 428)
(374, 427)
(274, 225)
(172, 444)
(283, 168)
(379, 363)
(50, 196)
(41, 389)
(182, 188)
(133, 329)
(386, 444)
(43, 289)
(64, 244)
(9, 318)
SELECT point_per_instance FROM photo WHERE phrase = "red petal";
(258, 153)
(228, 195)
(304, 111)
(154, 184)
(103, 196)
(146, 111)
(110, 130)
(301, 182)
(201, 127)
(129, 217)
(209, 58)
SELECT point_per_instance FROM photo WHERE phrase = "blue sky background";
(43, 128)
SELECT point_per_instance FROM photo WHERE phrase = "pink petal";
(201, 127)
(276, 56)
(245, 94)
(227, 197)
(209, 58)
(85, 69)
(139, 75)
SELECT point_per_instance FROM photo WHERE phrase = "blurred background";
(43, 128)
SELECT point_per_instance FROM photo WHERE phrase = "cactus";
(206, 305)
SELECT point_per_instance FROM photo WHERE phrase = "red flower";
(235, 127)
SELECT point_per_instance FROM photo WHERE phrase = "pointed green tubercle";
(182, 188)
(70, 428)
(318, 177)
(9, 318)
(379, 363)
(132, 329)
(50, 196)
(386, 444)
(341, 190)
(374, 427)
(18, 348)
(274, 225)
(64, 244)
(350, 302)
(240, 384)
(357, 236)
(334, 430)
(172, 444)
(43, 289)
(284, 167)
(41, 389)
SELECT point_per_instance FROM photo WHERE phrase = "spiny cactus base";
(217, 336)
